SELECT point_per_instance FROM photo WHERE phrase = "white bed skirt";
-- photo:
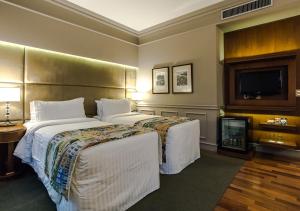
(111, 176)
(182, 147)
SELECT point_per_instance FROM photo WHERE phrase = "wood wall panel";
(283, 35)
(48, 75)
(270, 38)
(55, 68)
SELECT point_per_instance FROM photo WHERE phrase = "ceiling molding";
(56, 11)
(212, 16)
(82, 11)
(213, 9)
(75, 15)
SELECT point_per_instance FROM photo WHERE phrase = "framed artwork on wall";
(182, 78)
(160, 80)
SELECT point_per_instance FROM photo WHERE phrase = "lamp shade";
(9, 94)
(137, 96)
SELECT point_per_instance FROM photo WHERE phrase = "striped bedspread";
(162, 125)
(64, 148)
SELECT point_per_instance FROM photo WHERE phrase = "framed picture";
(160, 80)
(182, 78)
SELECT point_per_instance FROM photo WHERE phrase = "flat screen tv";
(260, 83)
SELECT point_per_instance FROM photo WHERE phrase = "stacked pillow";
(108, 107)
(53, 110)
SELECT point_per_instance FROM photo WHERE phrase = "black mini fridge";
(233, 134)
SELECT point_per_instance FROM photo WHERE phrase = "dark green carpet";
(198, 187)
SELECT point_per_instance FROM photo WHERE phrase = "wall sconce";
(8, 95)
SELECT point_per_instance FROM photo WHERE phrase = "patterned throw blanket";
(162, 125)
(64, 148)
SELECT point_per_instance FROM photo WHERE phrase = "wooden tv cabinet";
(234, 101)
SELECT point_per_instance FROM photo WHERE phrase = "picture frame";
(182, 79)
(160, 80)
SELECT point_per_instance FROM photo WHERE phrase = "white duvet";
(182, 141)
(109, 176)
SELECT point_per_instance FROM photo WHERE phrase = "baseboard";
(208, 146)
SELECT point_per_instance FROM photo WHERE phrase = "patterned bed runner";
(162, 125)
(64, 148)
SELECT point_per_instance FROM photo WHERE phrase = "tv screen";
(261, 82)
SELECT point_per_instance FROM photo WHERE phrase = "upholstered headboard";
(45, 75)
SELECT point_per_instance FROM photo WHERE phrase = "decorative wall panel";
(47, 75)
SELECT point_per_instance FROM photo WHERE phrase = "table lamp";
(137, 96)
(8, 95)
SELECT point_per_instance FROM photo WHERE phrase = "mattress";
(109, 176)
(182, 141)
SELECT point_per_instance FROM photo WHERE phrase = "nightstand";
(9, 137)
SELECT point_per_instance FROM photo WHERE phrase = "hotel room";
(149, 105)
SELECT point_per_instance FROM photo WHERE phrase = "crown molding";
(82, 11)
(212, 16)
(64, 8)
(72, 14)
(58, 12)
(213, 9)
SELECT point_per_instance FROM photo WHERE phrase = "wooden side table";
(9, 137)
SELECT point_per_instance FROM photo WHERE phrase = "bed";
(108, 176)
(182, 145)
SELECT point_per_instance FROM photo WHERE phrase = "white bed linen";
(109, 176)
(182, 141)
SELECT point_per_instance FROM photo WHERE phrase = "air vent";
(245, 8)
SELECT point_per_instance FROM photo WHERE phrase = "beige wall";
(25, 27)
(199, 47)
(203, 46)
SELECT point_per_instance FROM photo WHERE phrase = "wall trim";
(206, 125)
(208, 146)
(180, 106)
(147, 110)
(208, 143)
(174, 112)
(197, 113)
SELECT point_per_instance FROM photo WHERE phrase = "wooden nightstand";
(9, 137)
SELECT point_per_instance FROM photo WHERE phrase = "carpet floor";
(198, 187)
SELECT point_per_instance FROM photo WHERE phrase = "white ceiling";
(142, 14)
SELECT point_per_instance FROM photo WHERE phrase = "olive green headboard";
(45, 75)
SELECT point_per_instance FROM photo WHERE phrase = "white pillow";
(107, 107)
(51, 110)
(99, 108)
